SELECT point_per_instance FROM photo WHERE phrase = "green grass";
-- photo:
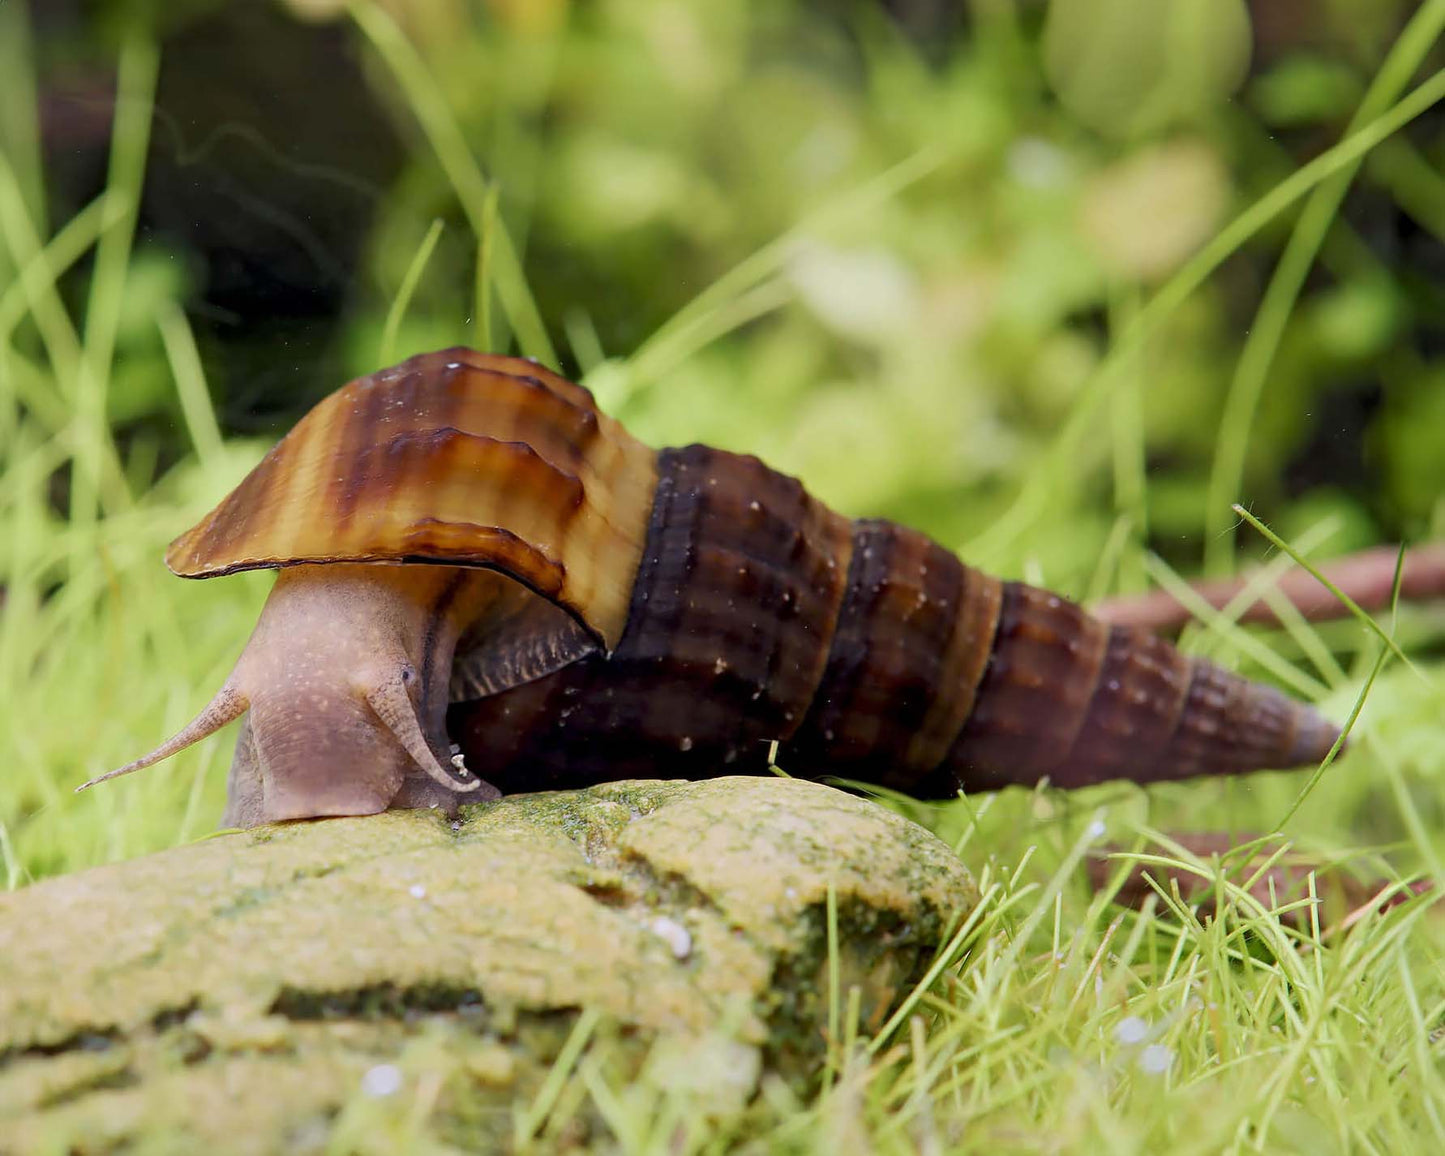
(1054, 1020)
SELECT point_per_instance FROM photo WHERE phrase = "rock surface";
(399, 979)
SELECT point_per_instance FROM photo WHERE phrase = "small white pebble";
(416, 891)
(674, 934)
(382, 1080)
(460, 764)
(684, 743)
(1156, 1059)
(1131, 1030)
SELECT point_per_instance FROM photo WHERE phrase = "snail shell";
(476, 566)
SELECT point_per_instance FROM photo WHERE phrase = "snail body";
(478, 569)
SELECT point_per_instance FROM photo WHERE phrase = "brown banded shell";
(453, 457)
(867, 652)
(479, 567)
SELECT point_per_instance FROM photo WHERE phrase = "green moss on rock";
(240, 994)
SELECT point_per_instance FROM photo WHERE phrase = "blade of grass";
(615, 391)
(1106, 569)
(190, 379)
(1305, 636)
(58, 255)
(1419, 1039)
(1277, 306)
(130, 137)
(949, 955)
(430, 107)
(663, 350)
(1414, 183)
(37, 280)
(1385, 651)
(19, 116)
(13, 870)
(1368, 622)
(1267, 577)
(1033, 497)
(1129, 453)
(530, 1121)
(582, 337)
(386, 350)
(9, 399)
(482, 293)
(1247, 644)
(73, 240)
(836, 1055)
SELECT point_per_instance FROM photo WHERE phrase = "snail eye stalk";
(393, 706)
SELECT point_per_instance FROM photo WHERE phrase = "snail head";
(345, 679)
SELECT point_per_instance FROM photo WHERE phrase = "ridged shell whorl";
(689, 612)
(455, 457)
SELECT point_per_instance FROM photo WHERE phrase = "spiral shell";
(481, 568)
(452, 457)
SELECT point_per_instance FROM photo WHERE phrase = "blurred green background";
(908, 356)
(968, 265)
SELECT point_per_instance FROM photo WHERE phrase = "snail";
(479, 569)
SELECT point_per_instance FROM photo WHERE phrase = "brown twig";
(1367, 577)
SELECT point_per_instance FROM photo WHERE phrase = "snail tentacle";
(393, 706)
(229, 704)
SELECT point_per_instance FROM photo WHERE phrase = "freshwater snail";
(477, 566)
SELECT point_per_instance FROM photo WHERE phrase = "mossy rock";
(405, 978)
